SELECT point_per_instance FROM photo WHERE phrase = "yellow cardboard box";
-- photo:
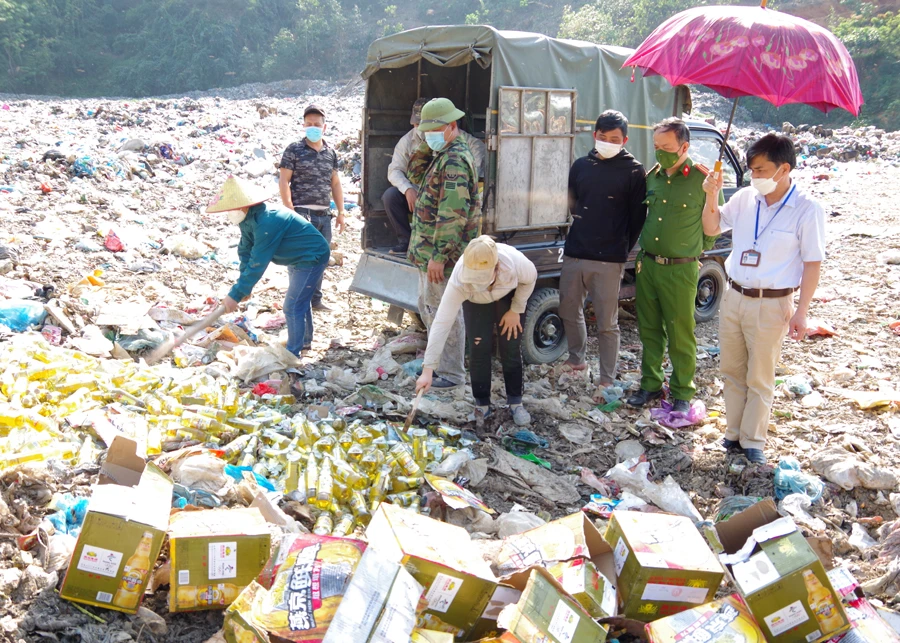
(662, 563)
(458, 582)
(214, 555)
(122, 533)
(725, 621)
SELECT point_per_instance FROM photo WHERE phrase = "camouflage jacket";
(446, 212)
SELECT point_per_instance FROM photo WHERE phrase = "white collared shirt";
(796, 235)
(515, 272)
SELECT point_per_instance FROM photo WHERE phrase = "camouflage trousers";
(452, 365)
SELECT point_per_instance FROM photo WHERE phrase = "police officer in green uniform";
(667, 266)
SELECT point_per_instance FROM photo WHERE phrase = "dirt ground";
(858, 297)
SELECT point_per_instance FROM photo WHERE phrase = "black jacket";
(606, 199)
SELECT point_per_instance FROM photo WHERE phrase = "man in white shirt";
(778, 245)
(400, 198)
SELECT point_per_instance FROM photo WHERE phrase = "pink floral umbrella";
(752, 51)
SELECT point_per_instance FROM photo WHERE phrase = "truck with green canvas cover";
(533, 100)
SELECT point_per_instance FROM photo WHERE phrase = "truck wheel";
(710, 291)
(544, 338)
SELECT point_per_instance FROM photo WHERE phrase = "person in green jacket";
(667, 267)
(273, 234)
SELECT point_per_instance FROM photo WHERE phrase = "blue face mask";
(435, 140)
(314, 134)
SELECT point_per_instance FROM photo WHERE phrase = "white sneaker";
(520, 416)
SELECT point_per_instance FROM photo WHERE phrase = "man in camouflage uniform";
(309, 181)
(444, 221)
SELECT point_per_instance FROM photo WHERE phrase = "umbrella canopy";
(752, 51)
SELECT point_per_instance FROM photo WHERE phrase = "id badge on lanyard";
(752, 258)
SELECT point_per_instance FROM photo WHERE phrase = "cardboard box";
(663, 565)
(725, 620)
(239, 625)
(780, 577)
(430, 636)
(545, 613)
(458, 582)
(486, 625)
(380, 604)
(214, 555)
(122, 532)
(574, 536)
(595, 592)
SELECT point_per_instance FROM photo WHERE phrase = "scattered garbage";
(668, 495)
(20, 314)
(667, 416)
(847, 470)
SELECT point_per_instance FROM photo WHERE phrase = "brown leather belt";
(668, 261)
(761, 292)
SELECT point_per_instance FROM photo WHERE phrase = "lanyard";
(756, 231)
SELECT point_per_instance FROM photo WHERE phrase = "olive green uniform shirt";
(674, 226)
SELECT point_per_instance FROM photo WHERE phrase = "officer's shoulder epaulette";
(702, 169)
(652, 169)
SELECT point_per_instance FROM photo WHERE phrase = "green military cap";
(437, 113)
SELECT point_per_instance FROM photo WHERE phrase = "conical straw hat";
(236, 194)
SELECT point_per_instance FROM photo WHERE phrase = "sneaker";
(442, 382)
(756, 456)
(643, 397)
(520, 416)
(681, 406)
(399, 249)
(732, 446)
(321, 307)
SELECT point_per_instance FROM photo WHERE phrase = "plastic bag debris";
(380, 367)
(248, 363)
(551, 487)
(860, 538)
(516, 522)
(21, 314)
(185, 246)
(342, 378)
(203, 471)
(668, 496)
(846, 470)
(407, 344)
(70, 512)
(819, 328)
(676, 420)
(790, 479)
(799, 385)
(796, 505)
(450, 466)
(576, 433)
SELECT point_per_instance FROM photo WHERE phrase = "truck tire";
(544, 338)
(710, 291)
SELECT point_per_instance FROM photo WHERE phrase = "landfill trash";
(523, 442)
(451, 465)
(668, 495)
(628, 449)
(798, 385)
(789, 479)
(185, 246)
(21, 314)
(113, 243)
(871, 399)
(576, 433)
(342, 378)
(860, 538)
(848, 471)
(813, 401)
(516, 522)
(70, 512)
(721, 621)
(819, 328)
(455, 496)
(889, 257)
(533, 480)
(601, 506)
(797, 505)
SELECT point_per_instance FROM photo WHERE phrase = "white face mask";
(765, 186)
(607, 150)
(236, 216)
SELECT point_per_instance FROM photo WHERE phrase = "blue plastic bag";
(21, 314)
(790, 479)
(69, 518)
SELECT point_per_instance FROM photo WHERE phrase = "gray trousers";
(452, 366)
(601, 279)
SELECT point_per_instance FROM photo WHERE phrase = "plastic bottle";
(405, 459)
(137, 568)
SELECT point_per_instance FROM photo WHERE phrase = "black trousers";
(398, 214)
(480, 322)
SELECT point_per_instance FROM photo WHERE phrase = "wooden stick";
(412, 411)
(167, 347)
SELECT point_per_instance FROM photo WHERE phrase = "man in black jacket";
(607, 190)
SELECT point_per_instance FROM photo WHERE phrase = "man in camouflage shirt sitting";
(444, 222)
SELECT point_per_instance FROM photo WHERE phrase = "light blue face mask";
(435, 140)
(314, 134)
